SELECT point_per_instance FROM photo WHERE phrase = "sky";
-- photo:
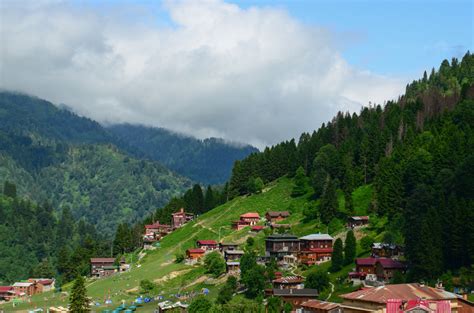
(255, 72)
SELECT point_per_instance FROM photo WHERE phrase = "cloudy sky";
(250, 71)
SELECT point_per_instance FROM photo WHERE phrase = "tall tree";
(349, 247)
(9, 189)
(300, 186)
(329, 205)
(337, 258)
(78, 301)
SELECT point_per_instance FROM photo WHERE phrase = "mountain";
(208, 161)
(53, 155)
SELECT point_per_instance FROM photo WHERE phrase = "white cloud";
(254, 75)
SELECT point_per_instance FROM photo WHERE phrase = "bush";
(179, 258)
(317, 279)
(147, 287)
(215, 264)
(200, 305)
(366, 243)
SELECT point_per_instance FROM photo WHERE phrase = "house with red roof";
(195, 254)
(207, 245)
(247, 219)
(405, 298)
(382, 268)
(7, 293)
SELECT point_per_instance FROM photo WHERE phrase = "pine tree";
(301, 183)
(209, 199)
(337, 258)
(9, 189)
(78, 301)
(329, 204)
(349, 247)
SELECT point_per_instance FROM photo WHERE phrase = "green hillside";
(159, 265)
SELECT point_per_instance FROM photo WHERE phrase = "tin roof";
(305, 292)
(22, 284)
(207, 242)
(289, 280)
(322, 305)
(196, 251)
(317, 237)
(278, 213)
(400, 291)
(250, 215)
(102, 260)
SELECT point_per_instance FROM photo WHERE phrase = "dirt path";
(332, 290)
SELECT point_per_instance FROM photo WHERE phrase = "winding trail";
(332, 290)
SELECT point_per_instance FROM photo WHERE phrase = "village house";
(386, 250)
(103, 267)
(279, 226)
(355, 221)
(317, 306)
(233, 267)
(276, 216)
(194, 254)
(155, 231)
(223, 247)
(277, 246)
(288, 282)
(180, 218)
(207, 245)
(233, 255)
(27, 288)
(382, 268)
(42, 284)
(315, 249)
(377, 300)
(7, 293)
(247, 219)
(295, 297)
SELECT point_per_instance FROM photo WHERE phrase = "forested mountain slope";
(416, 151)
(52, 154)
(207, 161)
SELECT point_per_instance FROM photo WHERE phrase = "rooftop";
(284, 237)
(250, 215)
(196, 250)
(400, 291)
(278, 213)
(207, 242)
(22, 284)
(317, 237)
(322, 305)
(238, 252)
(385, 262)
(305, 292)
(289, 280)
(102, 260)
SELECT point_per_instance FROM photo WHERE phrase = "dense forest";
(36, 242)
(417, 152)
(206, 161)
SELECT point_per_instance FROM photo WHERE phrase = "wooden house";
(315, 249)
(207, 245)
(180, 218)
(27, 288)
(383, 268)
(223, 247)
(102, 267)
(42, 284)
(386, 250)
(247, 219)
(276, 216)
(355, 221)
(233, 255)
(195, 254)
(233, 267)
(278, 246)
